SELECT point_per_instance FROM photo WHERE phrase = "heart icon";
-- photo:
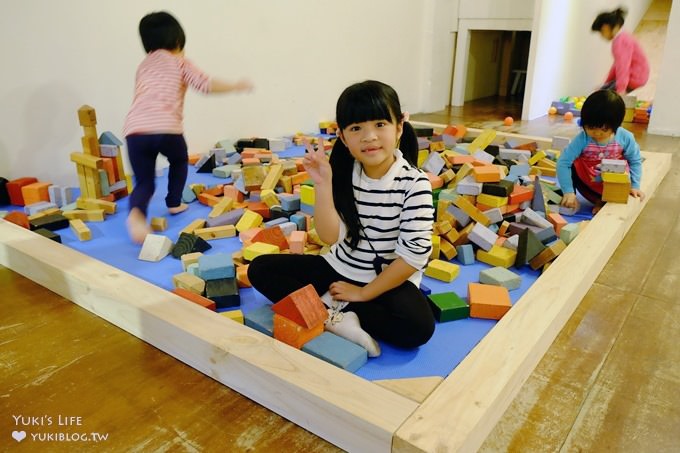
(19, 435)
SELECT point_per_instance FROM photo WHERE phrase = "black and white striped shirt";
(396, 213)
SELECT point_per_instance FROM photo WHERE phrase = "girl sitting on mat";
(154, 122)
(630, 69)
(375, 209)
(601, 138)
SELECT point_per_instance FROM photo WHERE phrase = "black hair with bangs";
(613, 19)
(603, 108)
(161, 30)
(365, 101)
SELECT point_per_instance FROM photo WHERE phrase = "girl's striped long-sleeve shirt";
(396, 214)
(160, 86)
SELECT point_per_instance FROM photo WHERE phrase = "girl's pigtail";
(342, 164)
(408, 144)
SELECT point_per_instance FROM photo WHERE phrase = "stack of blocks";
(615, 181)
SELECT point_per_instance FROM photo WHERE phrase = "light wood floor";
(610, 381)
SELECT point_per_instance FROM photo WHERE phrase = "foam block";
(189, 259)
(213, 267)
(261, 319)
(303, 306)
(155, 247)
(500, 276)
(14, 189)
(569, 232)
(189, 243)
(466, 254)
(528, 247)
(483, 237)
(189, 282)
(293, 334)
(48, 234)
(488, 301)
(448, 307)
(273, 236)
(234, 315)
(337, 351)
(497, 256)
(442, 270)
(248, 220)
(195, 298)
(224, 292)
(51, 222)
(259, 248)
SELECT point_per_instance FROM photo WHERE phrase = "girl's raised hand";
(316, 163)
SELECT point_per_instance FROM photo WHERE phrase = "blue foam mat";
(451, 342)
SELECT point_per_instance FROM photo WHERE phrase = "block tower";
(99, 166)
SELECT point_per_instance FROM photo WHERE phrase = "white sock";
(347, 326)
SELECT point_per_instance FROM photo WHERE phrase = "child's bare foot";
(137, 226)
(597, 207)
(177, 209)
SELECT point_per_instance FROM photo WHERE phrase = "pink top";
(161, 83)
(630, 68)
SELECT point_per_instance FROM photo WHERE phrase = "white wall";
(496, 9)
(299, 53)
(664, 119)
(566, 57)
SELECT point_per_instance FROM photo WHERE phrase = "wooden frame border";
(353, 413)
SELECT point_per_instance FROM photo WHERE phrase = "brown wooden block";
(109, 207)
(218, 232)
(193, 226)
(547, 255)
(87, 116)
(159, 223)
(81, 230)
(189, 282)
(89, 215)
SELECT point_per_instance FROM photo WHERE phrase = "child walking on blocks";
(154, 122)
(375, 209)
(602, 137)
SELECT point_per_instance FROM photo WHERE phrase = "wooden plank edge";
(416, 389)
(338, 406)
(460, 413)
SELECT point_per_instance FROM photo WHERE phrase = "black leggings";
(400, 316)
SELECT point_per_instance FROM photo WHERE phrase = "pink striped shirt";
(161, 83)
(630, 68)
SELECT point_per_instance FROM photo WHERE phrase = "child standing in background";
(630, 69)
(601, 138)
(375, 208)
(154, 123)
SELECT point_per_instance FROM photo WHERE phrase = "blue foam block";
(261, 320)
(300, 221)
(188, 195)
(337, 351)
(213, 267)
(290, 202)
(466, 254)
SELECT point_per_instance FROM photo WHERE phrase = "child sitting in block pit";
(375, 207)
(602, 137)
(154, 122)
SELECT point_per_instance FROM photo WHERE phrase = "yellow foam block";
(259, 248)
(539, 155)
(269, 198)
(492, 200)
(224, 205)
(80, 229)
(470, 209)
(482, 141)
(307, 195)
(218, 232)
(447, 249)
(234, 315)
(497, 256)
(435, 247)
(272, 178)
(249, 219)
(617, 178)
(442, 270)
(422, 156)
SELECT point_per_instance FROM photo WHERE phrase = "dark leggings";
(143, 151)
(584, 189)
(400, 316)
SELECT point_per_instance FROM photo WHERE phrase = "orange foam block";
(35, 192)
(14, 189)
(486, 173)
(521, 194)
(195, 298)
(557, 220)
(435, 181)
(242, 276)
(297, 241)
(304, 307)
(272, 235)
(488, 301)
(18, 218)
(232, 192)
(292, 333)
(208, 200)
